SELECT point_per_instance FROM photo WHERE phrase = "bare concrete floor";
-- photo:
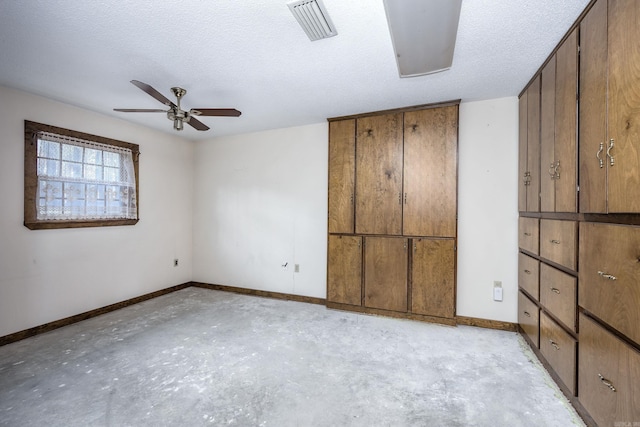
(199, 357)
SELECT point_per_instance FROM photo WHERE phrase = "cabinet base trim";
(395, 314)
(487, 323)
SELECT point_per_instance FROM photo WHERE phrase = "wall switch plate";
(296, 268)
(497, 290)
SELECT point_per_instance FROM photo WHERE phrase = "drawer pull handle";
(607, 383)
(606, 276)
(526, 313)
(555, 242)
(528, 271)
(556, 290)
(527, 234)
(554, 344)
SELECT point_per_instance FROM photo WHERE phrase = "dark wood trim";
(47, 327)
(264, 294)
(388, 313)
(613, 218)
(575, 25)
(31, 178)
(572, 399)
(397, 110)
(487, 323)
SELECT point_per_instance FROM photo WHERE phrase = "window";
(73, 179)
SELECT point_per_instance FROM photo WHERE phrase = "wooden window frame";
(31, 220)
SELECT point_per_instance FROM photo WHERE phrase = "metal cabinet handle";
(556, 290)
(598, 155)
(554, 344)
(611, 159)
(400, 198)
(556, 172)
(606, 382)
(527, 234)
(606, 276)
(405, 198)
(528, 271)
(555, 242)
(552, 170)
(526, 313)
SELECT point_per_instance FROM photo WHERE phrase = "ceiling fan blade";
(151, 91)
(139, 110)
(227, 112)
(197, 124)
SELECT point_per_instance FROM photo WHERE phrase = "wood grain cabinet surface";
(529, 275)
(392, 212)
(529, 234)
(559, 348)
(558, 294)
(558, 241)
(529, 143)
(610, 275)
(609, 131)
(609, 376)
(529, 318)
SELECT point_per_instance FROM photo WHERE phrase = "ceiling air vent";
(313, 18)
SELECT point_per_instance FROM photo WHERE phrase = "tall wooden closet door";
(430, 161)
(522, 150)
(624, 107)
(533, 145)
(342, 160)
(379, 174)
(548, 137)
(565, 179)
(344, 270)
(385, 273)
(593, 109)
(432, 277)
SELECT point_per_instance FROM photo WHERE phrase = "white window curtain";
(80, 179)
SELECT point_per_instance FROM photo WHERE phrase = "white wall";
(488, 208)
(261, 202)
(46, 275)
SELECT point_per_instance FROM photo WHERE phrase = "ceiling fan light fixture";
(423, 33)
(313, 18)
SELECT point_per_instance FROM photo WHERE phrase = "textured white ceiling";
(252, 55)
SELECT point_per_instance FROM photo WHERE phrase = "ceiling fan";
(175, 113)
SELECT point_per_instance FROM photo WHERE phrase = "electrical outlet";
(296, 268)
(497, 290)
(175, 262)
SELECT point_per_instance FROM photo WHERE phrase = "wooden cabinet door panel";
(379, 174)
(559, 348)
(528, 234)
(566, 112)
(433, 277)
(593, 108)
(522, 152)
(558, 241)
(558, 293)
(547, 136)
(385, 276)
(624, 106)
(533, 145)
(609, 275)
(529, 274)
(342, 161)
(344, 270)
(430, 176)
(608, 376)
(529, 318)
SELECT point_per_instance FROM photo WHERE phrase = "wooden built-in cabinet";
(579, 261)
(609, 105)
(393, 212)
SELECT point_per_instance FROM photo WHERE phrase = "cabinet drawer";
(608, 376)
(529, 318)
(558, 242)
(610, 275)
(558, 294)
(528, 233)
(529, 274)
(559, 348)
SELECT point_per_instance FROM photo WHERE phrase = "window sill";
(49, 225)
